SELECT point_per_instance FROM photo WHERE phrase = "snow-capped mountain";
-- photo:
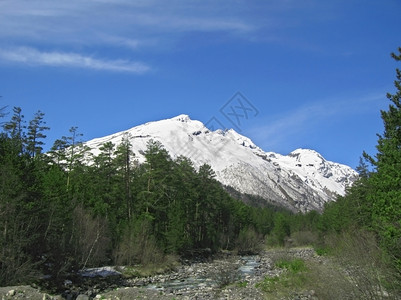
(302, 180)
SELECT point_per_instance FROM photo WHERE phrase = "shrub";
(91, 238)
(358, 253)
(304, 238)
(138, 246)
(249, 242)
(295, 265)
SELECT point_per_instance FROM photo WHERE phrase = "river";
(208, 276)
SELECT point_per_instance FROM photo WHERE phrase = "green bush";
(269, 284)
(292, 280)
(321, 250)
(295, 265)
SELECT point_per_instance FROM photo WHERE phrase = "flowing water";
(187, 283)
(250, 263)
(247, 267)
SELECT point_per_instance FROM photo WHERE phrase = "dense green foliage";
(385, 192)
(68, 209)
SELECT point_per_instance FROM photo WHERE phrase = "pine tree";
(15, 128)
(35, 134)
(57, 153)
(362, 168)
(101, 177)
(2, 111)
(75, 152)
(16, 125)
(385, 194)
(125, 160)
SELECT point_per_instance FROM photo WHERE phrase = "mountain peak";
(305, 154)
(182, 118)
(304, 151)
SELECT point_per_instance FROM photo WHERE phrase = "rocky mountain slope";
(302, 180)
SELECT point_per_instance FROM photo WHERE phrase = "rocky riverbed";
(227, 276)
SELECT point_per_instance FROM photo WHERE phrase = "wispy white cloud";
(74, 20)
(33, 57)
(119, 41)
(303, 120)
(137, 25)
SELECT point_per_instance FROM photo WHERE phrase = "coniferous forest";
(66, 209)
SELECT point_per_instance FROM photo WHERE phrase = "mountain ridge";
(301, 181)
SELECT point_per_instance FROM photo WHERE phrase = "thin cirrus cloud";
(302, 120)
(131, 19)
(32, 57)
(134, 25)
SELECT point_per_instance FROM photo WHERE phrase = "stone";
(69, 297)
(82, 297)
(67, 282)
(11, 293)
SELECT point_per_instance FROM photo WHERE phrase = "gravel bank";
(227, 277)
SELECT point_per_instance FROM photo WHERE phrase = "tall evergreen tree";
(16, 125)
(102, 177)
(57, 153)
(15, 128)
(35, 134)
(74, 152)
(2, 111)
(125, 161)
(385, 194)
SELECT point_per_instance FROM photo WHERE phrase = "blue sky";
(316, 72)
